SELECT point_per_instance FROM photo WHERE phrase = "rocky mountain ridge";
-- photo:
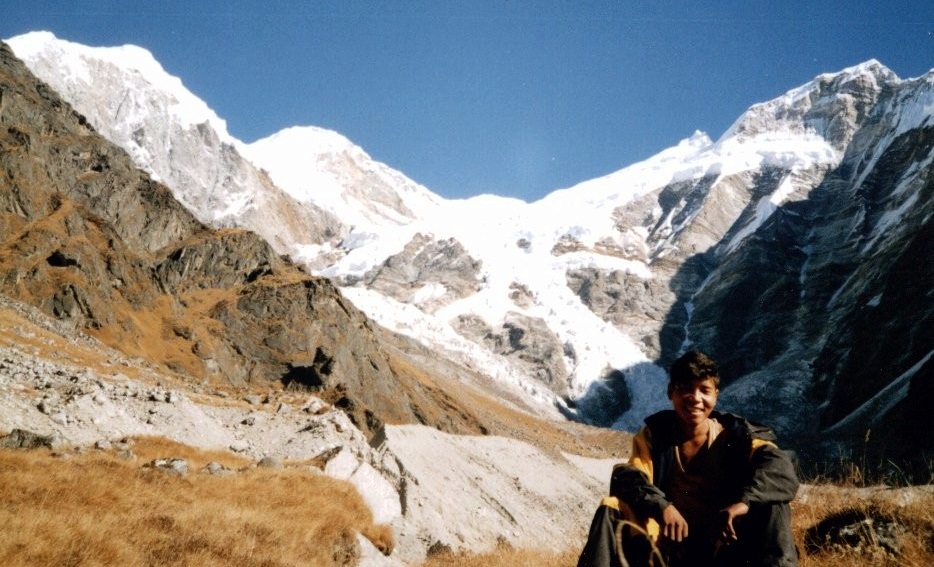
(179, 141)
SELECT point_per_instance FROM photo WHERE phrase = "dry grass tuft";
(502, 555)
(99, 509)
(910, 509)
(382, 537)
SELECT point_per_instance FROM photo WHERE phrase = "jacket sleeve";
(632, 482)
(773, 475)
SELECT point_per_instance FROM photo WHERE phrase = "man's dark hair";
(693, 365)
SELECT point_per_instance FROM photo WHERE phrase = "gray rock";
(269, 463)
(218, 469)
(22, 439)
(314, 406)
(862, 531)
(428, 273)
(170, 465)
(524, 340)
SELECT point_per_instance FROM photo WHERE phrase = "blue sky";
(511, 97)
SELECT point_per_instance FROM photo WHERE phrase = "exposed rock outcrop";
(428, 273)
(526, 342)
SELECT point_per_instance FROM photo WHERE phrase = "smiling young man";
(711, 488)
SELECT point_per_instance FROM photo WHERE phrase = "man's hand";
(674, 526)
(728, 515)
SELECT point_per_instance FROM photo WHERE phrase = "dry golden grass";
(98, 509)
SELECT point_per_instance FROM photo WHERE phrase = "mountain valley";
(160, 277)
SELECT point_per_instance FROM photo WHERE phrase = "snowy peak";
(132, 100)
(128, 97)
(651, 173)
(320, 166)
(315, 140)
(830, 106)
(174, 136)
(134, 65)
(871, 70)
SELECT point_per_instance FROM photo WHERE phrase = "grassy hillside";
(101, 508)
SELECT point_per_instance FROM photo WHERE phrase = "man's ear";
(670, 391)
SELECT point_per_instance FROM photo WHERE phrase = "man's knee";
(766, 537)
(618, 538)
(600, 548)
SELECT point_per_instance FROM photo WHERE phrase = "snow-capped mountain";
(175, 137)
(323, 167)
(778, 248)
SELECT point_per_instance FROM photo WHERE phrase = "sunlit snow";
(188, 109)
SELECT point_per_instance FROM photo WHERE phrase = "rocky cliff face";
(834, 287)
(427, 273)
(815, 305)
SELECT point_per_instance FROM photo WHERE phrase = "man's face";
(694, 401)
